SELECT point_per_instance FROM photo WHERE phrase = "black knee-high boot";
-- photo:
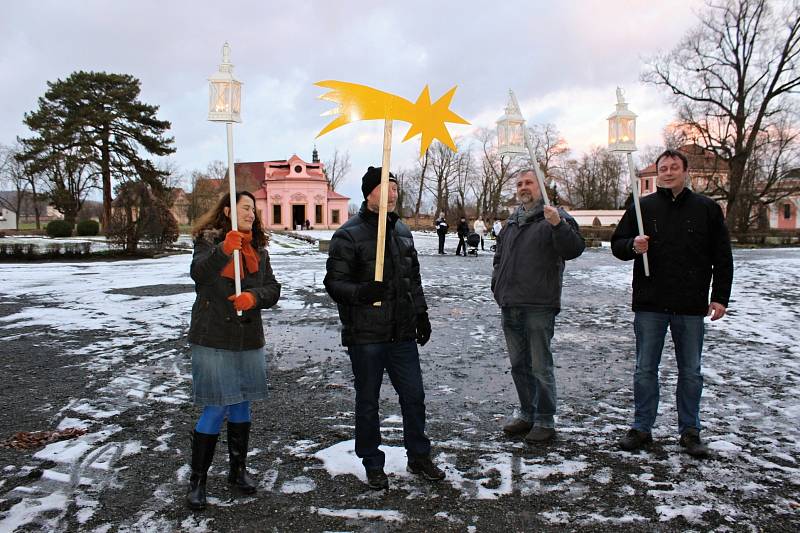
(203, 446)
(238, 437)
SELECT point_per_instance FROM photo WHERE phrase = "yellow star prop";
(359, 102)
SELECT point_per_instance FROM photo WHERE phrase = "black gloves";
(371, 292)
(423, 328)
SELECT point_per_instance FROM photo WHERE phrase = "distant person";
(496, 227)
(463, 230)
(308, 224)
(441, 231)
(382, 338)
(480, 228)
(229, 367)
(689, 252)
(528, 273)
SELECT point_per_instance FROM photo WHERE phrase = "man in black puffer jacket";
(382, 338)
(687, 245)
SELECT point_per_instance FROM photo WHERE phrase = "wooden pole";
(381, 242)
(637, 207)
(234, 219)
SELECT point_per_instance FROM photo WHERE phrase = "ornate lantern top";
(510, 128)
(622, 126)
(224, 91)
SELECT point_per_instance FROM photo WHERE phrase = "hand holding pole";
(637, 208)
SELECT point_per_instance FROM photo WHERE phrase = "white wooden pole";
(535, 164)
(234, 220)
(637, 207)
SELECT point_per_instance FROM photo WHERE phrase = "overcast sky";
(563, 60)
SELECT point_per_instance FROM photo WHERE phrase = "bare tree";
(732, 78)
(464, 170)
(337, 167)
(419, 177)
(12, 175)
(594, 181)
(494, 175)
(442, 161)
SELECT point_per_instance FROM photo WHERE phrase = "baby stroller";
(473, 241)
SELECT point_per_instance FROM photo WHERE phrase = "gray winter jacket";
(529, 259)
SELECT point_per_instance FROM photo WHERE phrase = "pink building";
(292, 192)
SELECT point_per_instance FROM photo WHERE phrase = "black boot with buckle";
(238, 437)
(203, 446)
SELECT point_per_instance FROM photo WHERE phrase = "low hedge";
(88, 228)
(59, 228)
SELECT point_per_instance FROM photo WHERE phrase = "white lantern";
(224, 91)
(511, 129)
(622, 127)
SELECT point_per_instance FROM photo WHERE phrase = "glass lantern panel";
(516, 134)
(236, 98)
(502, 135)
(220, 97)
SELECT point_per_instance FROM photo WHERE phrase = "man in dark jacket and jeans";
(382, 337)
(687, 245)
(526, 282)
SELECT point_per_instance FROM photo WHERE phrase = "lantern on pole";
(513, 139)
(224, 105)
(622, 139)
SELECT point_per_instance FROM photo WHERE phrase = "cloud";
(563, 59)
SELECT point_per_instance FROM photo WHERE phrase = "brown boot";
(517, 427)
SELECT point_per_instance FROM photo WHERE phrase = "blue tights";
(213, 415)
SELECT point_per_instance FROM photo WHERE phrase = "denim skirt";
(225, 377)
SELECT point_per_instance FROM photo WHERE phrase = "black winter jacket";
(351, 264)
(463, 229)
(689, 245)
(215, 323)
(529, 259)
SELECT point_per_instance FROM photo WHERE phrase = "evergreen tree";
(98, 119)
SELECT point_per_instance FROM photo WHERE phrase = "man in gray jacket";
(526, 282)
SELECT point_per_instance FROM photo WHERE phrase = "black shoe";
(424, 466)
(377, 480)
(203, 446)
(539, 434)
(690, 439)
(517, 427)
(238, 437)
(635, 439)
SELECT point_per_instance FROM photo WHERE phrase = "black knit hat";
(372, 179)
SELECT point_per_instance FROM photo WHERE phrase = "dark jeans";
(482, 248)
(441, 243)
(401, 361)
(528, 333)
(687, 335)
(461, 245)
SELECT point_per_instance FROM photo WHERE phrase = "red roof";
(701, 160)
(333, 195)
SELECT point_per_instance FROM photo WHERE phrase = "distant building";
(294, 191)
(180, 205)
(706, 170)
(8, 219)
(597, 217)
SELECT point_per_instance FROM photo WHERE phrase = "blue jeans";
(528, 333)
(401, 361)
(687, 335)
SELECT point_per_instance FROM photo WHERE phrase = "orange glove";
(233, 241)
(243, 302)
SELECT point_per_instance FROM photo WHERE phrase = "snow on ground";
(751, 366)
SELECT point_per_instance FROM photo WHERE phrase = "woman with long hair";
(229, 367)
